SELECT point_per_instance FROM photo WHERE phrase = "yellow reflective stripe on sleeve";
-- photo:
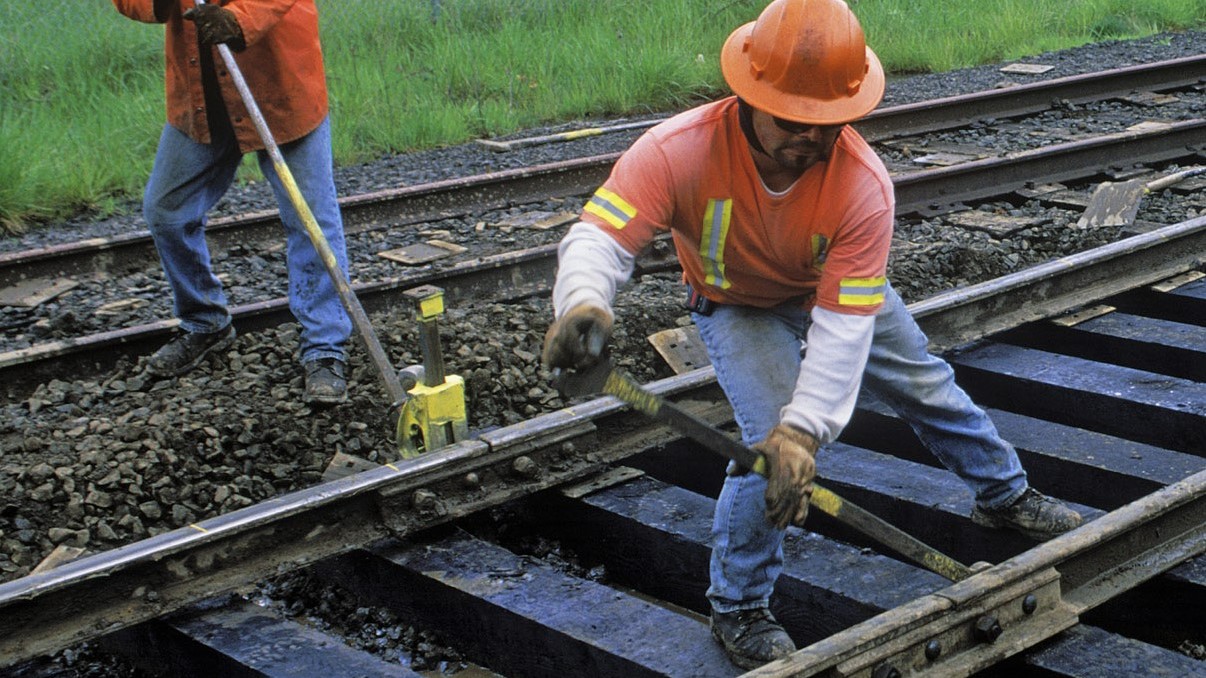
(610, 208)
(820, 250)
(711, 242)
(862, 291)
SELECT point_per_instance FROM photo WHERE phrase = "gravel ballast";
(96, 463)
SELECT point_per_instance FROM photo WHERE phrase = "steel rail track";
(1029, 598)
(527, 272)
(440, 199)
(1068, 577)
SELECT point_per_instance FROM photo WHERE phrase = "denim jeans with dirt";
(756, 354)
(187, 180)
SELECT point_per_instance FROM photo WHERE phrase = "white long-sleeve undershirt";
(830, 374)
(592, 266)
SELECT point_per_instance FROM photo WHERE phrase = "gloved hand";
(577, 339)
(163, 8)
(790, 463)
(216, 25)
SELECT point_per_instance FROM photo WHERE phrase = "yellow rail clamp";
(434, 414)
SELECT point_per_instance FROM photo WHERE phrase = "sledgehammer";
(605, 378)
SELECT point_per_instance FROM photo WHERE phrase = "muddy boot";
(325, 382)
(1033, 514)
(751, 638)
(187, 350)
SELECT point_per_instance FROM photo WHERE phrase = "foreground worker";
(207, 132)
(782, 217)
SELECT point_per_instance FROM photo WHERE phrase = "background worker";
(781, 217)
(207, 132)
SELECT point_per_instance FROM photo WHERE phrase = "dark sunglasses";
(793, 127)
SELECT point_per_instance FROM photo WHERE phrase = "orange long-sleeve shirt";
(282, 66)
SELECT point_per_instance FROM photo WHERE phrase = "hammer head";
(572, 383)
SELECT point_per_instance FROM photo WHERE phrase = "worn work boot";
(751, 638)
(1033, 514)
(325, 382)
(187, 350)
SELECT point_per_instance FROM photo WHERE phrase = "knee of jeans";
(158, 218)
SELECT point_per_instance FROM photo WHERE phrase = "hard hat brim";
(762, 95)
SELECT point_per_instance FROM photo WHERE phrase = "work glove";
(216, 25)
(790, 467)
(163, 8)
(576, 340)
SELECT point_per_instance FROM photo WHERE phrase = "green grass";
(81, 86)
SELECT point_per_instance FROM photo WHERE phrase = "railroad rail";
(416, 204)
(526, 272)
(1112, 421)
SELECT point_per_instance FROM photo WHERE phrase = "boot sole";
(325, 400)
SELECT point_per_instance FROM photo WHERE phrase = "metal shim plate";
(422, 252)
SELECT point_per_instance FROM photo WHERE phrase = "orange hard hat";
(806, 61)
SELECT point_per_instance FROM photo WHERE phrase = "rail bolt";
(933, 650)
(525, 467)
(885, 671)
(472, 480)
(424, 500)
(1029, 603)
(987, 629)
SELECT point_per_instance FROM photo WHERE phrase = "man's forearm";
(830, 374)
(591, 265)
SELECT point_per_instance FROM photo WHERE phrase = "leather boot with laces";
(187, 350)
(325, 382)
(1033, 514)
(751, 638)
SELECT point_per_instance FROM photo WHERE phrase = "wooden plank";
(1091, 652)
(929, 503)
(1084, 466)
(1125, 339)
(655, 536)
(933, 505)
(241, 639)
(1143, 406)
(519, 616)
(1183, 303)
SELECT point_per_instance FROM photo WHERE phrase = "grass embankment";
(81, 86)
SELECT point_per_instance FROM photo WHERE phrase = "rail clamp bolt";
(987, 629)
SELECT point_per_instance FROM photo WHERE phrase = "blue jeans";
(189, 178)
(756, 355)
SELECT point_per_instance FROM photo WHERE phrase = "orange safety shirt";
(282, 66)
(823, 241)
